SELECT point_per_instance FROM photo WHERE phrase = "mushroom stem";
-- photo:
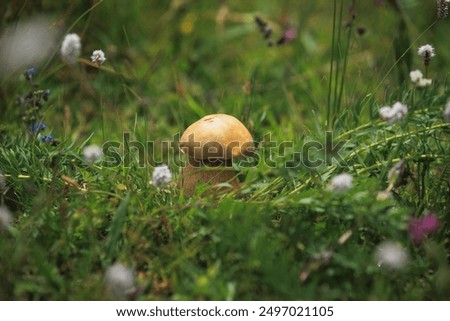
(212, 175)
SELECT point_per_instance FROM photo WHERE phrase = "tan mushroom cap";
(218, 136)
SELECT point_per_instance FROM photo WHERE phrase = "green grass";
(284, 235)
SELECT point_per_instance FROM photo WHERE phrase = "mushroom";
(211, 144)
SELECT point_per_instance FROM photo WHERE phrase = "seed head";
(341, 182)
(442, 8)
(119, 281)
(98, 56)
(426, 52)
(388, 254)
(161, 176)
(393, 114)
(418, 79)
(415, 75)
(424, 82)
(71, 48)
(92, 153)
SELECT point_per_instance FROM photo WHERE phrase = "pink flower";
(289, 34)
(420, 228)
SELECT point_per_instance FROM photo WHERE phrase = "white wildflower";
(424, 82)
(389, 254)
(393, 114)
(447, 112)
(98, 56)
(400, 109)
(92, 153)
(71, 48)
(5, 218)
(386, 112)
(341, 182)
(119, 281)
(161, 176)
(426, 51)
(415, 75)
(418, 79)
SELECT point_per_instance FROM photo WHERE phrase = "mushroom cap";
(217, 136)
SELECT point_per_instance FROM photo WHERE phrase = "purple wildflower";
(289, 34)
(420, 228)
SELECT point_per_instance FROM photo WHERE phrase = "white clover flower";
(92, 153)
(418, 79)
(426, 51)
(393, 114)
(161, 176)
(71, 48)
(400, 110)
(386, 112)
(119, 281)
(5, 218)
(341, 182)
(389, 254)
(424, 82)
(415, 75)
(447, 112)
(98, 56)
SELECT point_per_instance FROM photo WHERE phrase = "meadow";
(346, 198)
